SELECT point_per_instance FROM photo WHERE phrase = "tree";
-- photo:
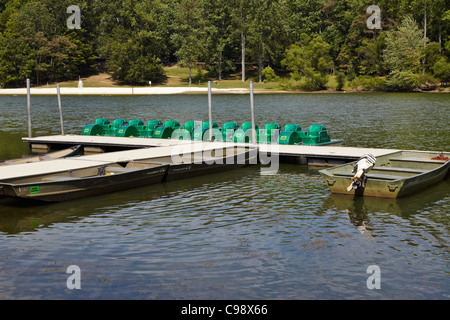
(24, 50)
(132, 43)
(131, 58)
(16, 61)
(340, 79)
(189, 33)
(61, 50)
(370, 56)
(303, 17)
(310, 58)
(219, 36)
(441, 70)
(404, 47)
(432, 55)
(269, 74)
(264, 32)
(241, 16)
(402, 80)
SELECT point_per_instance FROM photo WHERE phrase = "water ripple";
(238, 235)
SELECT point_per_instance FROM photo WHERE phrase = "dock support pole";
(29, 107)
(252, 107)
(210, 112)
(58, 90)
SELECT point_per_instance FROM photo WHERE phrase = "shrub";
(402, 81)
(441, 70)
(317, 81)
(269, 74)
(428, 82)
(340, 79)
(368, 83)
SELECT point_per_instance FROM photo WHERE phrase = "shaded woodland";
(269, 40)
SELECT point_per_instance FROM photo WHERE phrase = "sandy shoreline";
(120, 91)
(107, 91)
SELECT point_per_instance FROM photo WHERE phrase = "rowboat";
(118, 176)
(75, 184)
(43, 157)
(394, 175)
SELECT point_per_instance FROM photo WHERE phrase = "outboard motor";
(362, 166)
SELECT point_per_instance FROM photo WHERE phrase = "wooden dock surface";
(329, 151)
(104, 141)
(72, 163)
(144, 148)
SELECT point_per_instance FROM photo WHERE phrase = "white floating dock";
(123, 142)
(313, 155)
(321, 155)
(73, 163)
(144, 148)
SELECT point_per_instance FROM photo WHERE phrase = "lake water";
(240, 234)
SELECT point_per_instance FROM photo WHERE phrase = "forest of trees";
(275, 40)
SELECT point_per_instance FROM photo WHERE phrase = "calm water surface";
(238, 235)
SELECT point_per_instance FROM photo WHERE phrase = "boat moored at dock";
(43, 157)
(75, 184)
(106, 177)
(394, 175)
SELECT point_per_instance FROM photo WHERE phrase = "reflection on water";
(234, 235)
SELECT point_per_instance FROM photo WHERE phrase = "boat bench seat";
(406, 170)
(118, 169)
(137, 165)
(371, 176)
(58, 178)
(424, 160)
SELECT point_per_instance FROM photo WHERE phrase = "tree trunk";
(190, 75)
(243, 55)
(440, 37)
(220, 65)
(261, 66)
(37, 71)
(424, 61)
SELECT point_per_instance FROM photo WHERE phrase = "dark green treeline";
(273, 39)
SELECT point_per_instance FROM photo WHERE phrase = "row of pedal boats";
(102, 178)
(392, 175)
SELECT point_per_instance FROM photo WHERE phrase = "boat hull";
(192, 169)
(106, 178)
(71, 189)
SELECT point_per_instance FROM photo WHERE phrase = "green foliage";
(36, 44)
(310, 39)
(432, 55)
(340, 80)
(402, 81)
(188, 33)
(315, 81)
(368, 83)
(427, 82)
(405, 48)
(130, 62)
(310, 58)
(218, 37)
(269, 74)
(441, 70)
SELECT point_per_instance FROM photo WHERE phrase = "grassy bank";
(179, 77)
